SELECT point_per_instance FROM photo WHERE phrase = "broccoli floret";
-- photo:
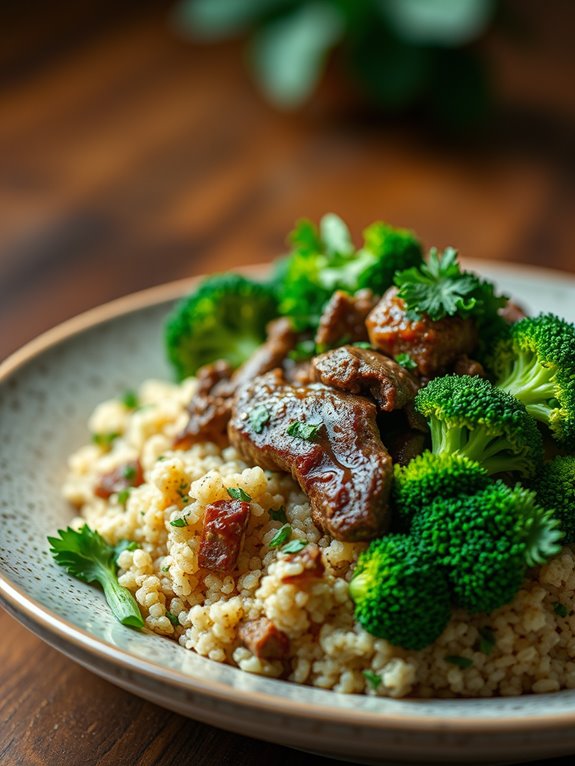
(485, 542)
(324, 260)
(429, 476)
(555, 488)
(225, 318)
(469, 416)
(536, 363)
(399, 593)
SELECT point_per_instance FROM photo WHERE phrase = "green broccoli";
(555, 488)
(225, 318)
(536, 363)
(324, 260)
(486, 541)
(469, 416)
(399, 593)
(429, 476)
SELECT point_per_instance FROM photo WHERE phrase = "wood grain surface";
(129, 157)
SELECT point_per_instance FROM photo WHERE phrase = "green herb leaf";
(130, 400)
(303, 351)
(165, 569)
(461, 662)
(123, 495)
(105, 440)
(406, 361)
(363, 344)
(237, 493)
(306, 431)
(258, 418)
(486, 640)
(129, 472)
(172, 618)
(281, 536)
(335, 235)
(438, 288)
(124, 545)
(373, 679)
(560, 609)
(87, 556)
(278, 514)
(294, 546)
(181, 522)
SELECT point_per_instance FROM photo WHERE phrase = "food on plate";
(361, 479)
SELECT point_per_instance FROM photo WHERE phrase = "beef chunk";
(343, 467)
(343, 318)
(433, 346)
(466, 366)
(264, 640)
(225, 522)
(363, 371)
(281, 339)
(210, 407)
(404, 445)
(127, 475)
(312, 563)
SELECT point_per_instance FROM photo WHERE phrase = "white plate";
(47, 391)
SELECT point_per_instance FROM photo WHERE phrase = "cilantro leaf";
(85, 554)
(105, 440)
(130, 400)
(281, 536)
(294, 546)
(305, 431)
(181, 522)
(258, 418)
(560, 609)
(404, 360)
(278, 514)
(373, 679)
(237, 493)
(461, 662)
(173, 618)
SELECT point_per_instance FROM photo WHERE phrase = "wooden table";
(129, 157)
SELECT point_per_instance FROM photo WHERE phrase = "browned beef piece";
(128, 475)
(263, 639)
(466, 366)
(313, 566)
(343, 318)
(512, 312)
(225, 523)
(299, 373)
(344, 467)
(404, 445)
(364, 371)
(210, 408)
(433, 346)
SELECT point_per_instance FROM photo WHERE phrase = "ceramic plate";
(47, 391)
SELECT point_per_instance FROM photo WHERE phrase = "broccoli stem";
(119, 599)
(529, 381)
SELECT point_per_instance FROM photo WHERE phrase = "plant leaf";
(439, 22)
(210, 20)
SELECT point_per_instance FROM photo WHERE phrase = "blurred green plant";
(402, 53)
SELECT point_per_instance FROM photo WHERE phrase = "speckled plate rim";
(32, 613)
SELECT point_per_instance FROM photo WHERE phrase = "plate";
(47, 391)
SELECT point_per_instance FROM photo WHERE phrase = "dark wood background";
(129, 157)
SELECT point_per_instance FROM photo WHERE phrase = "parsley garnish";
(172, 618)
(438, 288)
(123, 495)
(404, 360)
(129, 472)
(258, 418)
(281, 536)
(486, 640)
(86, 555)
(294, 546)
(461, 662)
(373, 679)
(237, 493)
(130, 400)
(181, 522)
(105, 440)
(303, 350)
(278, 514)
(165, 569)
(560, 609)
(363, 344)
(306, 431)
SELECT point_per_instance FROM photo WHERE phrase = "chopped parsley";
(86, 555)
(237, 493)
(303, 351)
(373, 679)
(281, 536)
(560, 609)
(278, 514)
(123, 495)
(305, 431)
(461, 662)
(172, 618)
(105, 440)
(130, 400)
(258, 418)
(404, 360)
(486, 640)
(181, 522)
(363, 344)
(165, 569)
(294, 546)
(129, 472)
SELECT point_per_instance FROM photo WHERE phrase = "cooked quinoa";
(526, 646)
